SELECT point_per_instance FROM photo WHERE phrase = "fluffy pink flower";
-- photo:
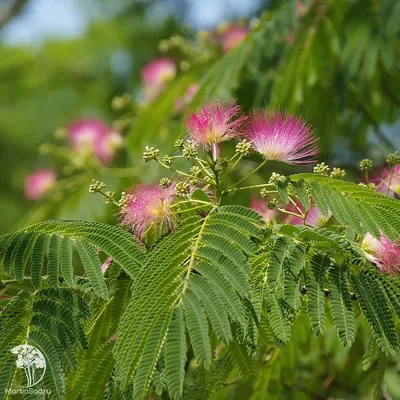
(260, 206)
(314, 218)
(39, 183)
(156, 75)
(215, 123)
(384, 253)
(93, 136)
(186, 99)
(232, 36)
(385, 184)
(148, 205)
(282, 137)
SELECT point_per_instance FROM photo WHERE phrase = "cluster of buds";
(189, 149)
(179, 144)
(366, 164)
(322, 169)
(150, 153)
(96, 186)
(167, 160)
(125, 200)
(109, 197)
(165, 182)
(243, 147)
(338, 173)
(394, 158)
(272, 204)
(276, 178)
(182, 189)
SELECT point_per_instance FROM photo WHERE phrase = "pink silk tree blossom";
(382, 252)
(214, 123)
(282, 137)
(93, 136)
(39, 183)
(148, 206)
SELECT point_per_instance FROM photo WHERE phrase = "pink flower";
(232, 36)
(186, 99)
(156, 75)
(215, 123)
(93, 136)
(314, 217)
(282, 137)
(384, 253)
(106, 264)
(148, 205)
(385, 184)
(39, 183)
(260, 206)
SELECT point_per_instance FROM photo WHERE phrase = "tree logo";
(32, 361)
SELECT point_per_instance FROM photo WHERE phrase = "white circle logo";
(32, 361)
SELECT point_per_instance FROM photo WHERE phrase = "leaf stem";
(250, 173)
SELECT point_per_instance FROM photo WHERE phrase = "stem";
(214, 152)
(100, 314)
(189, 209)
(235, 163)
(390, 179)
(294, 203)
(250, 187)
(178, 171)
(250, 173)
(290, 213)
(109, 198)
(193, 256)
(203, 168)
(192, 201)
(367, 177)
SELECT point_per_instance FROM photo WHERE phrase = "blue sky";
(69, 18)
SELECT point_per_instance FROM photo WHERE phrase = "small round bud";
(338, 173)
(322, 169)
(165, 182)
(276, 178)
(243, 147)
(195, 171)
(264, 193)
(150, 153)
(221, 163)
(182, 189)
(272, 204)
(109, 197)
(366, 164)
(167, 160)
(189, 149)
(96, 186)
(394, 158)
(179, 144)
(125, 200)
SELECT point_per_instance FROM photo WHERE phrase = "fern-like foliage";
(23, 254)
(195, 277)
(352, 205)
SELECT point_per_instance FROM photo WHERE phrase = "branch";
(12, 12)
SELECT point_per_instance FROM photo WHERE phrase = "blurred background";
(335, 62)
